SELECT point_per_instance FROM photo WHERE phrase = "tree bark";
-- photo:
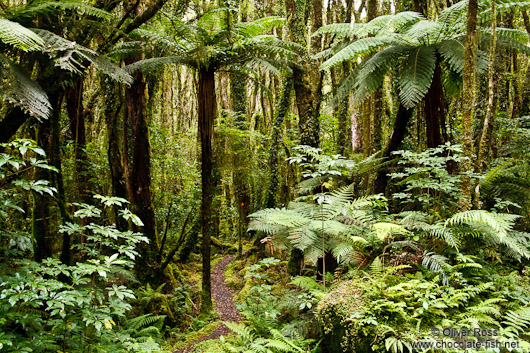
(435, 110)
(113, 109)
(207, 106)
(468, 101)
(398, 135)
(76, 116)
(140, 176)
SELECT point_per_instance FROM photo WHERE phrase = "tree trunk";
(281, 113)
(239, 105)
(113, 109)
(398, 135)
(206, 115)
(468, 101)
(435, 110)
(76, 115)
(140, 176)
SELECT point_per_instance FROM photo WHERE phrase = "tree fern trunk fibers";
(140, 175)
(76, 116)
(468, 101)
(435, 110)
(206, 114)
(398, 135)
(112, 112)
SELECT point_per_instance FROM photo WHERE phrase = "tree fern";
(19, 36)
(38, 8)
(416, 74)
(18, 89)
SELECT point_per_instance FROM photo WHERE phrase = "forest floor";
(224, 304)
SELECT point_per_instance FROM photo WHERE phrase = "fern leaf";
(416, 74)
(20, 90)
(357, 48)
(19, 36)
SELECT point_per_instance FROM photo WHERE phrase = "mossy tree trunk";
(207, 106)
(76, 116)
(468, 101)
(113, 110)
(140, 176)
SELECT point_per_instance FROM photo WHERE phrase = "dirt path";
(224, 303)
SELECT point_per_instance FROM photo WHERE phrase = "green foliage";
(426, 178)
(386, 312)
(411, 43)
(51, 306)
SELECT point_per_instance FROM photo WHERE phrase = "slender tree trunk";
(206, 113)
(140, 176)
(468, 101)
(490, 112)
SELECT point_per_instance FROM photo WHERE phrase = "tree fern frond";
(343, 30)
(19, 36)
(453, 14)
(18, 89)
(416, 74)
(371, 73)
(390, 23)
(359, 47)
(446, 234)
(33, 9)
(453, 52)
(154, 64)
(259, 26)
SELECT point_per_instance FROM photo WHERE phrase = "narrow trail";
(224, 303)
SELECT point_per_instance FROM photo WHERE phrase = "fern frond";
(18, 89)
(415, 76)
(359, 47)
(34, 9)
(19, 36)
(343, 30)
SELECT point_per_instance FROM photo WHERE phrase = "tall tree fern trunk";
(206, 115)
(140, 176)
(468, 101)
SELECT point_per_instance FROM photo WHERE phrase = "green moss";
(339, 313)
(233, 278)
(194, 336)
(210, 346)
